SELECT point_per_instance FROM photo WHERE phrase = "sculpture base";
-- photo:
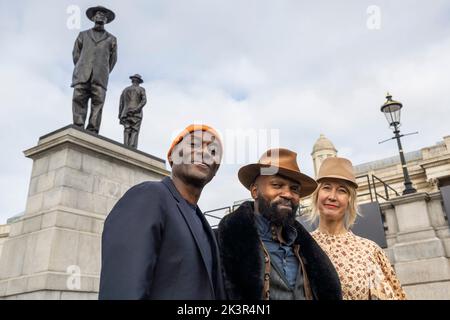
(54, 250)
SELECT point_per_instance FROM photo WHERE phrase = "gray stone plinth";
(53, 250)
(419, 244)
(429, 291)
(418, 250)
(423, 271)
(412, 212)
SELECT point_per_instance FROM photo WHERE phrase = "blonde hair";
(352, 209)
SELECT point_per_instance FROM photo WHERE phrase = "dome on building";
(323, 144)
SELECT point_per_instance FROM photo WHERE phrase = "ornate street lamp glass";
(391, 110)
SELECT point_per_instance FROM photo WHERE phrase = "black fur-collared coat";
(243, 267)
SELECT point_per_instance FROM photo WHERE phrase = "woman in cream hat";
(363, 267)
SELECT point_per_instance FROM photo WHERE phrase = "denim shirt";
(281, 255)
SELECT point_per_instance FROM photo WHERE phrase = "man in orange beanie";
(156, 243)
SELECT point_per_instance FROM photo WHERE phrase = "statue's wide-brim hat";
(138, 77)
(90, 13)
(281, 162)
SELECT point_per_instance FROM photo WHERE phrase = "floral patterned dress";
(363, 268)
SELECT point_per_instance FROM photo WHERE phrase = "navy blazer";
(151, 248)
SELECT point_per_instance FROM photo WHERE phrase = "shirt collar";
(264, 230)
(290, 235)
(263, 225)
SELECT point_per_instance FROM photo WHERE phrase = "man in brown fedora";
(266, 253)
(132, 101)
(94, 56)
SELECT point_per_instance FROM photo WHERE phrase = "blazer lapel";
(216, 268)
(184, 209)
(103, 37)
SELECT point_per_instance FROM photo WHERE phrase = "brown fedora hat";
(277, 161)
(90, 13)
(337, 168)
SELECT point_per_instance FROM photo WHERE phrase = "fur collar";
(242, 258)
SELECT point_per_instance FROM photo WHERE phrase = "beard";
(277, 216)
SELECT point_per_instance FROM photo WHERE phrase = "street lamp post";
(391, 110)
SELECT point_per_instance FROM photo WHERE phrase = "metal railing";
(372, 186)
(386, 187)
(368, 183)
(208, 214)
(372, 182)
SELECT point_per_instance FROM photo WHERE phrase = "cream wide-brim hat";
(337, 168)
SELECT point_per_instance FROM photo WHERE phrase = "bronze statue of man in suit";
(94, 56)
(132, 100)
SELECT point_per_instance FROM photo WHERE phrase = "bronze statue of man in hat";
(132, 100)
(94, 56)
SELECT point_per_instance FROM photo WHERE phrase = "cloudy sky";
(292, 67)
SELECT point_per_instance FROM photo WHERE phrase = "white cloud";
(295, 66)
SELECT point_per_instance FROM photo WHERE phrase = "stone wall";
(53, 251)
(4, 233)
(418, 237)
